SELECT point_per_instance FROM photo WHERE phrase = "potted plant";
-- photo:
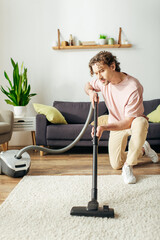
(102, 39)
(19, 91)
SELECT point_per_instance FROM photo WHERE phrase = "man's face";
(103, 72)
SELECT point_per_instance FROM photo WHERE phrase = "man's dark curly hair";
(104, 57)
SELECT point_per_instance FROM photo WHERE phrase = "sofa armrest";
(41, 129)
(7, 116)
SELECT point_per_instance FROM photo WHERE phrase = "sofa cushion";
(102, 120)
(70, 132)
(77, 112)
(155, 115)
(51, 113)
(150, 105)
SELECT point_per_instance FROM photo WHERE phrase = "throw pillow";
(51, 113)
(102, 120)
(155, 115)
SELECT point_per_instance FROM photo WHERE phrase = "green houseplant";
(102, 36)
(102, 39)
(19, 91)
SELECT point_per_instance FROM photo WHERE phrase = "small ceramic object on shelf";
(110, 41)
(102, 41)
(71, 40)
(78, 42)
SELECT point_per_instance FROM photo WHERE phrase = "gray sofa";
(75, 113)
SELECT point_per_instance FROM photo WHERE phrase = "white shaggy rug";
(39, 208)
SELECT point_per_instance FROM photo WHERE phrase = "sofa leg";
(5, 146)
(41, 152)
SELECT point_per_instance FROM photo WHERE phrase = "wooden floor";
(72, 163)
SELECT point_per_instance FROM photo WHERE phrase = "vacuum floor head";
(13, 167)
(100, 212)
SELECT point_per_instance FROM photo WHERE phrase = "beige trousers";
(118, 142)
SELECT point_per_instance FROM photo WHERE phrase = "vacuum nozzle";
(104, 211)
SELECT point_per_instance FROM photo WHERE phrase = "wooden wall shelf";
(93, 46)
(119, 45)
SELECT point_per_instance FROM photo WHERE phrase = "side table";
(25, 124)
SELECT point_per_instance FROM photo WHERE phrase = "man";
(123, 95)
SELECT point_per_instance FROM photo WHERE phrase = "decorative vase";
(110, 41)
(20, 111)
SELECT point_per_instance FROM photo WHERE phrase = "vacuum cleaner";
(93, 209)
(16, 163)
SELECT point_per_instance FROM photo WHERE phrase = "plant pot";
(20, 111)
(102, 41)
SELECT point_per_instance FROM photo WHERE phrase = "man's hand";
(99, 132)
(93, 97)
(92, 94)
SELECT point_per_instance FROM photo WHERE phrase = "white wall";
(29, 28)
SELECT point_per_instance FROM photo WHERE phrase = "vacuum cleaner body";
(13, 167)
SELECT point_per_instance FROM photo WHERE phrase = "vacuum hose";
(62, 150)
